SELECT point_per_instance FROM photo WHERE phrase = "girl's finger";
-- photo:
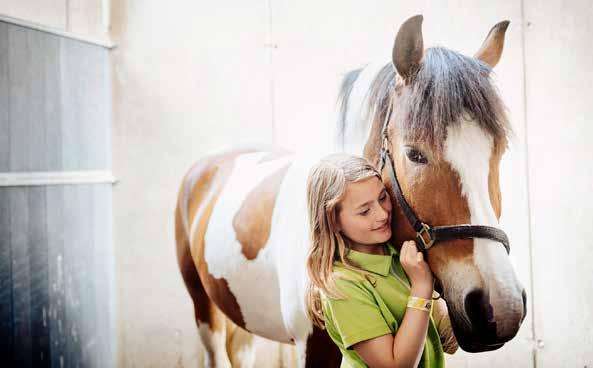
(403, 251)
(411, 249)
(409, 252)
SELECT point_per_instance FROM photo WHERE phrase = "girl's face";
(365, 213)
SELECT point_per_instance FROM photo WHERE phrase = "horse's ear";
(408, 48)
(493, 44)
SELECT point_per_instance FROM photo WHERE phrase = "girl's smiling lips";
(382, 227)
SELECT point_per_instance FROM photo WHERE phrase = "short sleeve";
(355, 319)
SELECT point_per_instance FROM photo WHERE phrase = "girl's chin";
(383, 237)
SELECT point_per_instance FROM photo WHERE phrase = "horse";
(241, 222)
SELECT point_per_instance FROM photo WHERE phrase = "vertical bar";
(57, 290)
(4, 99)
(6, 312)
(21, 277)
(37, 238)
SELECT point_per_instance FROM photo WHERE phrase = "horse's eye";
(416, 156)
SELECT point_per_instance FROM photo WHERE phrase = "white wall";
(559, 56)
(199, 75)
(187, 79)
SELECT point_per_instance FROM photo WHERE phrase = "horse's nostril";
(480, 313)
(473, 305)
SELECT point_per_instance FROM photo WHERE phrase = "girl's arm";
(406, 347)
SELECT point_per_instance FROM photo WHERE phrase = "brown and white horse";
(241, 220)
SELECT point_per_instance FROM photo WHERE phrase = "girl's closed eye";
(365, 212)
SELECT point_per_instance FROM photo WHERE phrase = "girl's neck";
(378, 249)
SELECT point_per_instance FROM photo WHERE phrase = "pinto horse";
(241, 221)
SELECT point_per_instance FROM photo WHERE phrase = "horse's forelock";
(449, 88)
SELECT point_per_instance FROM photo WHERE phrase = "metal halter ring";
(425, 230)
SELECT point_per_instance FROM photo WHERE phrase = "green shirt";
(374, 307)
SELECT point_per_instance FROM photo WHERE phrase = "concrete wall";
(200, 75)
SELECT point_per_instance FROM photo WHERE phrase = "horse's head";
(446, 136)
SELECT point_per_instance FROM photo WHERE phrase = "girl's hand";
(417, 270)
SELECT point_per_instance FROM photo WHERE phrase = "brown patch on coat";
(442, 321)
(215, 170)
(202, 304)
(253, 221)
(321, 350)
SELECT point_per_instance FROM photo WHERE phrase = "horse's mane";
(446, 88)
(343, 98)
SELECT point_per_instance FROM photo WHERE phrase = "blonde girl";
(373, 300)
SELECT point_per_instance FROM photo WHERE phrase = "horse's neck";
(356, 115)
(372, 148)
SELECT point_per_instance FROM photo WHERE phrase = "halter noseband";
(426, 235)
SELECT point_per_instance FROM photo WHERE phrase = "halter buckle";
(426, 230)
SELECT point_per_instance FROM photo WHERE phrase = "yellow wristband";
(419, 303)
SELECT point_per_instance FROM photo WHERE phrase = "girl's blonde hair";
(326, 186)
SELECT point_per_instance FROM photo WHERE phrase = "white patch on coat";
(468, 148)
(290, 239)
(358, 125)
(254, 283)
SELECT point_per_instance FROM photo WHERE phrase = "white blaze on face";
(468, 149)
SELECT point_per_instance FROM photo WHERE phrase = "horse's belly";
(255, 287)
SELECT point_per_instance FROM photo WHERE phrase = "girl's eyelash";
(382, 198)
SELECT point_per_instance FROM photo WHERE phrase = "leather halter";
(426, 235)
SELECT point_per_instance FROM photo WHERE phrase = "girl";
(373, 300)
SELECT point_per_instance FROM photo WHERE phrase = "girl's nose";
(383, 213)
